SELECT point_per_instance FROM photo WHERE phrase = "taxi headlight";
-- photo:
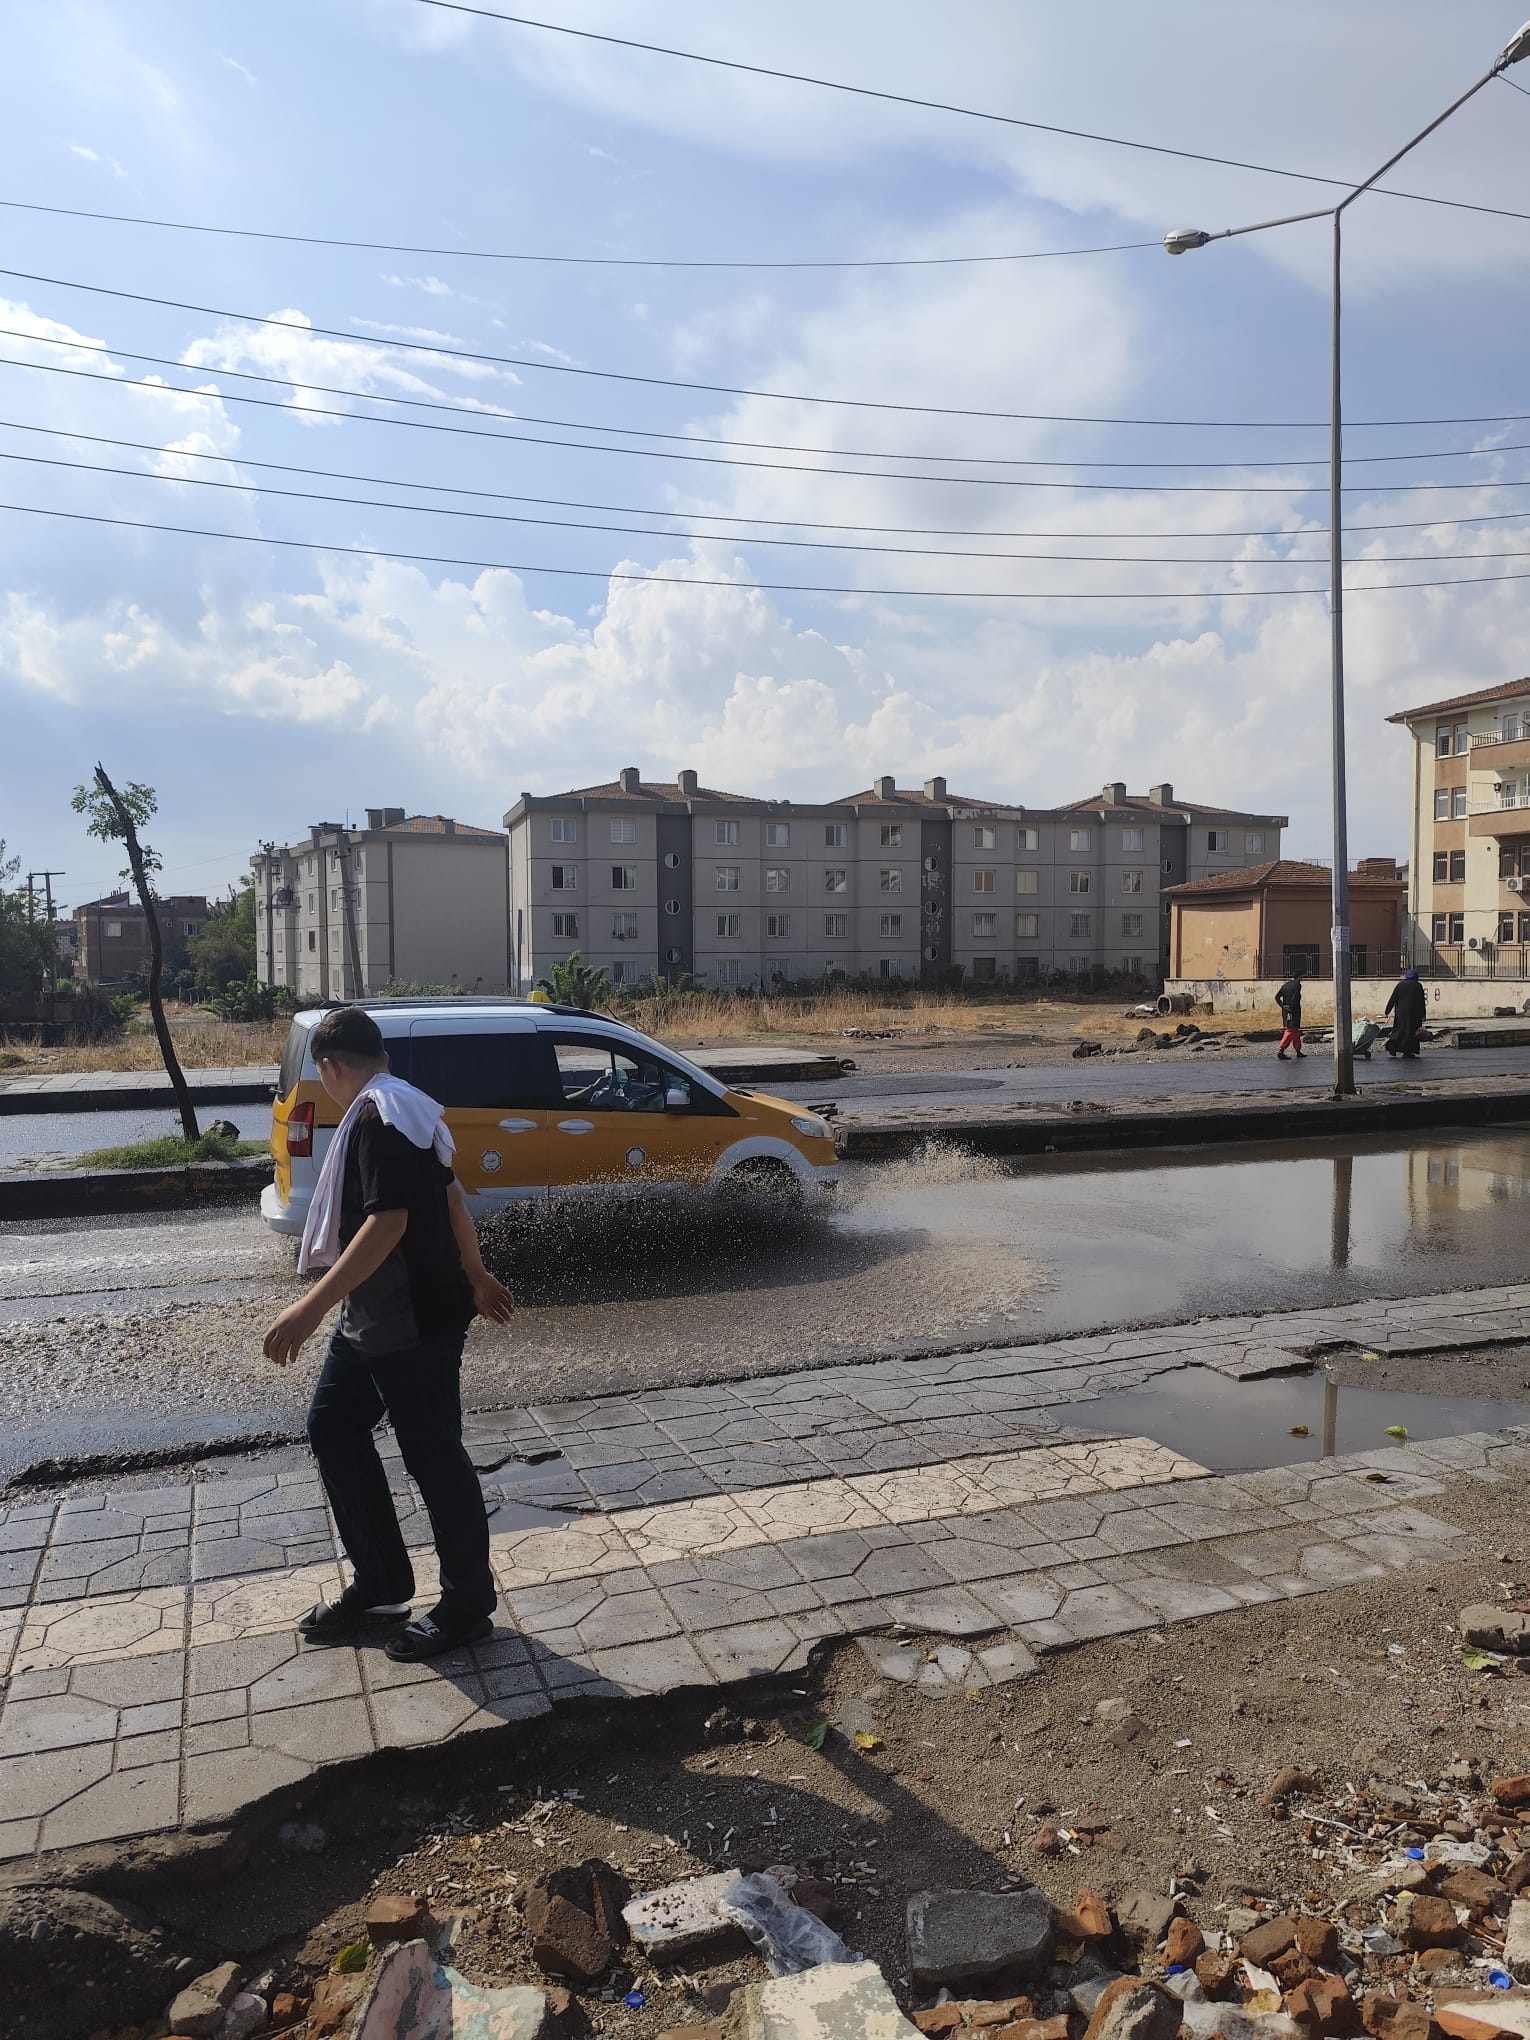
(813, 1128)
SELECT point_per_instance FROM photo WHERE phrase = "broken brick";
(1088, 1919)
(1474, 1889)
(941, 2019)
(1424, 1921)
(1270, 1938)
(393, 1917)
(1056, 2028)
(1186, 1944)
(1517, 1876)
(1318, 1940)
(1399, 2019)
(1215, 1972)
(1460, 2022)
(334, 1999)
(1289, 1783)
(567, 1942)
(1512, 1791)
(1323, 2005)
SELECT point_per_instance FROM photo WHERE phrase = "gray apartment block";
(894, 882)
(417, 899)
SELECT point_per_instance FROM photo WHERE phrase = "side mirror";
(677, 1099)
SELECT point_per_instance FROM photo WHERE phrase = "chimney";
(686, 781)
(935, 789)
(1161, 796)
(1115, 792)
(448, 826)
(630, 779)
(887, 787)
(374, 817)
(392, 817)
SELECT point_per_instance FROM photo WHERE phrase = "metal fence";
(1457, 960)
(1315, 961)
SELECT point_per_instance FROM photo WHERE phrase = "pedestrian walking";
(389, 1222)
(1289, 1000)
(1408, 1006)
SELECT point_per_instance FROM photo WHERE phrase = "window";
(1131, 839)
(1524, 927)
(1506, 927)
(334, 898)
(1458, 927)
(725, 833)
(982, 881)
(985, 924)
(836, 878)
(1442, 740)
(485, 1070)
(1437, 928)
(1131, 881)
(1027, 969)
(835, 835)
(777, 835)
(565, 878)
(565, 927)
(778, 879)
(624, 973)
(1078, 881)
(890, 879)
(596, 1079)
(1216, 839)
(313, 940)
(1253, 842)
(1508, 729)
(565, 829)
(1027, 839)
(728, 968)
(1027, 927)
(984, 838)
(188, 927)
(890, 967)
(624, 878)
(1078, 965)
(1302, 956)
(1458, 802)
(1080, 924)
(671, 906)
(624, 927)
(778, 926)
(729, 927)
(1442, 804)
(1079, 839)
(1508, 861)
(1461, 739)
(1442, 866)
(985, 969)
(727, 877)
(1132, 965)
(892, 835)
(624, 829)
(891, 927)
(836, 927)
(1131, 924)
(1026, 881)
(1458, 867)
(311, 898)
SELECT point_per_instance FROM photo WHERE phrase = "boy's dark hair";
(347, 1035)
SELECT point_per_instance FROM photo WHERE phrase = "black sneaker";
(351, 1619)
(1281, 1056)
(429, 1635)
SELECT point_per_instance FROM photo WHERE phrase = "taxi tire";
(766, 1178)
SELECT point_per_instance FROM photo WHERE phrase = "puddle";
(524, 1516)
(1236, 1426)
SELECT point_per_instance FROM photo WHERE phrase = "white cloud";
(244, 70)
(89, 155)
(433, 286)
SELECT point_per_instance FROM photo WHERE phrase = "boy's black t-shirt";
(420, 1292)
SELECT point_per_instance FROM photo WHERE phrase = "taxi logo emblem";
(490, 1160)
(635, 1158)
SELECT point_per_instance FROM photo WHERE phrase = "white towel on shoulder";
(418, 1117)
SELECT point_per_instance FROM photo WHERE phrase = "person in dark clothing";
(409, 1281)
(1289, 1000)
(1408, 1006)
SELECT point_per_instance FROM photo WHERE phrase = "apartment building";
(893, 882)
(111, 934)
(1469, 850)
(414, 899)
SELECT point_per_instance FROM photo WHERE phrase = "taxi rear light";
(300, 1132)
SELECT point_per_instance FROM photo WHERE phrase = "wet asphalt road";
(139, 1331)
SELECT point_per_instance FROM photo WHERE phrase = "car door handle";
(518, 1126)
(576, 1126)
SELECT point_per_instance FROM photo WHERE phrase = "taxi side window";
(601, 1079)
(492, 1071)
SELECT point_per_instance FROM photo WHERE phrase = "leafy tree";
(26, 940)
(223, 953)
(573, 982)
(114, 817)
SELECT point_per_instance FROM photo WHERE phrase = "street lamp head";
(1183, 239)
(1515, 50)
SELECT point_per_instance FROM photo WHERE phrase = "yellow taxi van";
(547, 1101)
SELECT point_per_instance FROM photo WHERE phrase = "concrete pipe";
(1174, 1002)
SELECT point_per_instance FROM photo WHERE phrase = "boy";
(409, 1281)
(1289, 1000)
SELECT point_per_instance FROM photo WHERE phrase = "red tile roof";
(649, 789)
(435, 825)
(1508, 691)
(1282, 873)
(915, 796)
(1141, 803)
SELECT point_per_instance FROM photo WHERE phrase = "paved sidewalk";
(689, 1538)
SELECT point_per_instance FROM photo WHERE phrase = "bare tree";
(116, 817)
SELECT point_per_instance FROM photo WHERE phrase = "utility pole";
(47, 878)
(268, 851)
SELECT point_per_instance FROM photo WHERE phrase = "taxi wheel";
(766, 1178)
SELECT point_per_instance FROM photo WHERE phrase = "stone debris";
(683, 1917)
(1516, 1940)
(954, 1935)
(391, 1917)
(411, 1996)
(1132, 2009)
(199, 2009)
(575, 1919)
(1492, 1628)
(837, 2001)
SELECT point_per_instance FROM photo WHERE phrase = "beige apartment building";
(413, 899)
(894, 882)
(1469, 853)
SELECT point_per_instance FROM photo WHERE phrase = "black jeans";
(419, 1389)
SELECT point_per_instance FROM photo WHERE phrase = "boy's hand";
(291, 1331)
(492, 1299)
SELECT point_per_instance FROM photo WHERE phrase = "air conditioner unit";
(1475, 942)
(1515, 884)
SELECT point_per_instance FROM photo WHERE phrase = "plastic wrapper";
(788, 1936)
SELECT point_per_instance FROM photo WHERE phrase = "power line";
(714, 516)
(707, 537)
(945, 106)
(75, 212)
(750, 587)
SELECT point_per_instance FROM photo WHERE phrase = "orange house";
(1270, 919)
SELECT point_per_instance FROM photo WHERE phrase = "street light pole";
(1181, 242)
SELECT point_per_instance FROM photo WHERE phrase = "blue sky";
(260, 688)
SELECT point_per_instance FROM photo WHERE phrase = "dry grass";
(201, 1042)
(720, 1016)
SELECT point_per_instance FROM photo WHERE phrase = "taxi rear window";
(292, 1060)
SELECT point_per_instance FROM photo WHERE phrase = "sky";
(578, 454)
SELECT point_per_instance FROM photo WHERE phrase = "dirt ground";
(1363, 1684)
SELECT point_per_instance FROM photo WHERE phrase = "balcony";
(1496, 819)
(1503, 754)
